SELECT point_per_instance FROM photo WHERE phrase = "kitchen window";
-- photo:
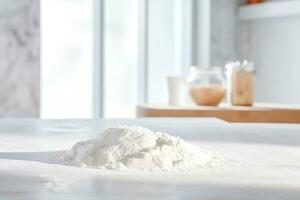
(100, 58)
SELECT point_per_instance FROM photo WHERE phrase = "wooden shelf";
(269, 10)
(258, 113)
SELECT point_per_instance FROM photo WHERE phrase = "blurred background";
(100, 58)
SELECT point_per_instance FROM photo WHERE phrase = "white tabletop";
(271, 153)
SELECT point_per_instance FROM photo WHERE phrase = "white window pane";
(167, 46)
(120, 58)
(66, 37)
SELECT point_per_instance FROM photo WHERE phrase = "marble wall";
(19, 58)
(226, 38)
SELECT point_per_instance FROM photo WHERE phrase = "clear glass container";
(240, 86)
(206, 85)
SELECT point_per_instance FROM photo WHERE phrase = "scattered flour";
(126, 148)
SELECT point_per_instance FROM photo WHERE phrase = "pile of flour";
(136, 148)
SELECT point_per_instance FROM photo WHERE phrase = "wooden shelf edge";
(261, 116)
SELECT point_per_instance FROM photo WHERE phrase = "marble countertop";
(271, 153)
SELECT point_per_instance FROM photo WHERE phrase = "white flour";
(137, 148)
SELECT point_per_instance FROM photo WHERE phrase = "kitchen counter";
(268, 157)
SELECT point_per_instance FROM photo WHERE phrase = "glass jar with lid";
(206, 85)
(240, 89)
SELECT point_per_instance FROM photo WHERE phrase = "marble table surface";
(271, 153)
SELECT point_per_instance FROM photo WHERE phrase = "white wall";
(274, 47)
